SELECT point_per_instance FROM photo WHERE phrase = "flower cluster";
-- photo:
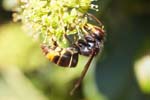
(53, 18)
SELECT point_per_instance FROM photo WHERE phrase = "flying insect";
(90, 45)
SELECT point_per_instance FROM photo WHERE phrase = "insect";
(90, 45)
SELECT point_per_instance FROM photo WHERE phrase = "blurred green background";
(121, 72)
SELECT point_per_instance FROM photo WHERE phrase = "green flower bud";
(45, 19)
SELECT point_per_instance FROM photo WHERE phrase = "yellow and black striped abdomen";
(61, 57)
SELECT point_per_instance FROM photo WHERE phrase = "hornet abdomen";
(65, 57)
